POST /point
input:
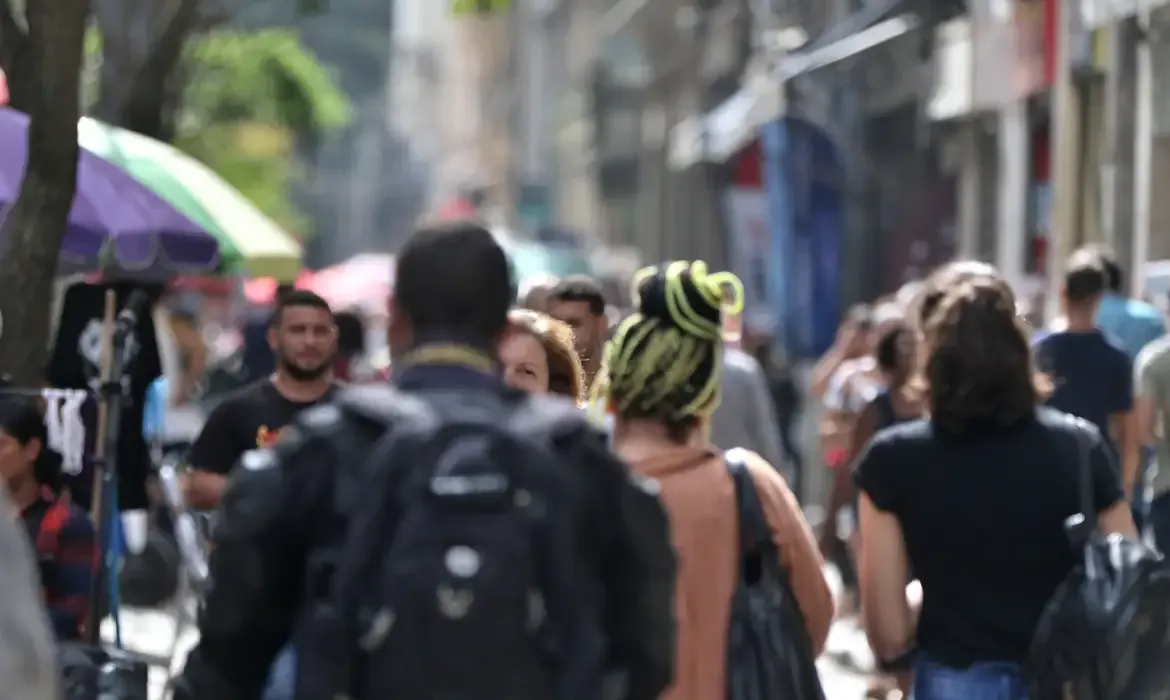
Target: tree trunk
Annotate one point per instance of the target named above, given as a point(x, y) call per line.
point(36, 226)
point(16, 59)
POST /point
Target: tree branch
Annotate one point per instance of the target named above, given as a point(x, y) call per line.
point(143, 110)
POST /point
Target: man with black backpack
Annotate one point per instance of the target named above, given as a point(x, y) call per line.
point(442, 538)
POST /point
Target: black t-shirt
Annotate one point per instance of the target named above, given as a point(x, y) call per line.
point(248, 419)
point(76, 363)
point(983, 518)
point(1092, 378)
point(887, 414)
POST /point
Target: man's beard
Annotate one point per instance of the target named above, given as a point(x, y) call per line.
point(304, 374)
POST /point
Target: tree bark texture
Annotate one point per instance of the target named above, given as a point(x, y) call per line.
point(35, 227)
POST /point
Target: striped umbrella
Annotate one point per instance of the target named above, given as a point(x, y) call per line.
point(250, 242)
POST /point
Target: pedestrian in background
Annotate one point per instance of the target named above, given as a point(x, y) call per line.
point(974, 499)
point(579, 302)
point(534, 291)
point(664, 378)
point(745, 416)
point(28, 661)
point(1092, 375)
point(1152, 425)
point(1131, 322)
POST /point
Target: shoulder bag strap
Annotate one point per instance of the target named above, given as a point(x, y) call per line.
point(753, 525)
point(1085, 527)
point(758, 541)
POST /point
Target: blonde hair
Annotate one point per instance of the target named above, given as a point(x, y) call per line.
point(566, 376)
point(665, 360)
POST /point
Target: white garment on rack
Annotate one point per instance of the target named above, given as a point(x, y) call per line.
point(54, 427)
point(73, 432)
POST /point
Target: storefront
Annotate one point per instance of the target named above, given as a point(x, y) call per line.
point(1154, 241)
point(804, 175)
point(1018, 41)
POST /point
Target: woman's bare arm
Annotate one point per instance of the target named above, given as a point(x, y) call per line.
point(882, 568)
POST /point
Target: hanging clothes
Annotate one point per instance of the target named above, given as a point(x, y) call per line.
point(76, 363)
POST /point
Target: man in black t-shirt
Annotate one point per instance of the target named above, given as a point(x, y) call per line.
point(303, 337)
point(1092, 376)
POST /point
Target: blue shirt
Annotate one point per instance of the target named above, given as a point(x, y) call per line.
point(1130, 322)
point(1092, 377)
point(154, 411)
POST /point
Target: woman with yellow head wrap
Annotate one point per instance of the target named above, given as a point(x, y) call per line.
point(660, 382)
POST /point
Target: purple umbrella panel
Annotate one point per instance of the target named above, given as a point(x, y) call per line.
point(115, 222)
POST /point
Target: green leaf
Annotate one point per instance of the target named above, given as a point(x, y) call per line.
point(249, 96)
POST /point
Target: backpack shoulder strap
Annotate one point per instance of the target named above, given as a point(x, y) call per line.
point(382, 403)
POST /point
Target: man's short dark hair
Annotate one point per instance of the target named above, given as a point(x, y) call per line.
point(455, 277)
point(580, 288)
point(1084, 277)
point(298, 298)
point(1114, 278)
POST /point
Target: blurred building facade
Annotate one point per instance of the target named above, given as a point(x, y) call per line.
point(885, 138)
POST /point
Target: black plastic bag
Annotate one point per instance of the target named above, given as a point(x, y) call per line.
point(124, 678)
point(79, 673)
point(92, 673)
point(151, 578)
point(769, 653)
point(1105, 634)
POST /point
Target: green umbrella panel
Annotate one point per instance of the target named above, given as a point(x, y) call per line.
point(250, 242)
point(165, 185)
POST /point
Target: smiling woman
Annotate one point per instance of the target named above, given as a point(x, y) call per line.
point(539, 358)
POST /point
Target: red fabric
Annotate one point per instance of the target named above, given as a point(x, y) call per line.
point(749, 166)
point(3, 89)
point(457, 209)
point(1041, 153)
point(65, 540)
point(1051, 19)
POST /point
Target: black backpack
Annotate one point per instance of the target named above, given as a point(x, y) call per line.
point(458, 574)
point(1105, 635)
point(769, 653)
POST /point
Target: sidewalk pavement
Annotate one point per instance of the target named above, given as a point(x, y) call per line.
point(152, 632)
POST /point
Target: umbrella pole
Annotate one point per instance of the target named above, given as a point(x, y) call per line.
point(103, 582)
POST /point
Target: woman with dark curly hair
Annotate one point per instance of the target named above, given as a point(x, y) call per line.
point(539, 357)
point(974, 498)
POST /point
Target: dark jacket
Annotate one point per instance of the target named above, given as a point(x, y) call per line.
point(278, 513)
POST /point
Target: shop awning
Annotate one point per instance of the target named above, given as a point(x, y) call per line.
point(733, 124)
